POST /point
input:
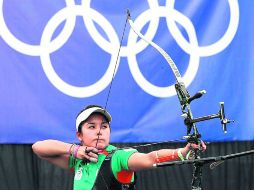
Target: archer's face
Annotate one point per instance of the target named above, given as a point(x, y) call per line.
point(95, 131)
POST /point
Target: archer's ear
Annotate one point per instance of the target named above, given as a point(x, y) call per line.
point(79, 136)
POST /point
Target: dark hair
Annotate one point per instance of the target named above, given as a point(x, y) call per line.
point(87, 107)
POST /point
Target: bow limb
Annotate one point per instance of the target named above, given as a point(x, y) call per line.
point(159, 49)
point(181, 90)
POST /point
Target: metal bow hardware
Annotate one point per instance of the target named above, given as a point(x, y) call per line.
point(185, 100)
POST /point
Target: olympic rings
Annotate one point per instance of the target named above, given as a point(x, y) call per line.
point(215, 47)
point(35, 50)
point(45, 58)
point(91, 16)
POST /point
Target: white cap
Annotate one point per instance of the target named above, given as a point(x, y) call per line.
point(87, 112)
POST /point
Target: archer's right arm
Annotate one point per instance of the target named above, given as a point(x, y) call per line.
point(56, 152)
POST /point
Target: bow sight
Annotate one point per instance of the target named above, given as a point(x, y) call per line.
point(189, 121)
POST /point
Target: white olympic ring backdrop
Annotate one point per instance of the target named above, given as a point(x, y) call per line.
point(60, 56)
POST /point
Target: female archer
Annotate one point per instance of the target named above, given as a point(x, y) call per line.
point(97, 164)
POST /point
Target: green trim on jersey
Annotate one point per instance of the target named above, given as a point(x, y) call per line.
point(86, 174)
point(120, 159)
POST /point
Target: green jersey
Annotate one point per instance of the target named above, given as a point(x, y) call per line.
point(86, 173)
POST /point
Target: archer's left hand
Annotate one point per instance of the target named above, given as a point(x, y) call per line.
point(189, 149)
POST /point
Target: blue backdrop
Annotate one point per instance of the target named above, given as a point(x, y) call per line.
point(59, 56)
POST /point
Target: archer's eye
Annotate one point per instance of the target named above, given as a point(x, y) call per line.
point(91, 127)
point(104, 126)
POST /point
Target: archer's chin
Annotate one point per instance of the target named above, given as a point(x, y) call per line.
point(101, 146)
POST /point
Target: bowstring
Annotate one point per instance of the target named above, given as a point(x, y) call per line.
point(113, 76)
point(114, 72)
